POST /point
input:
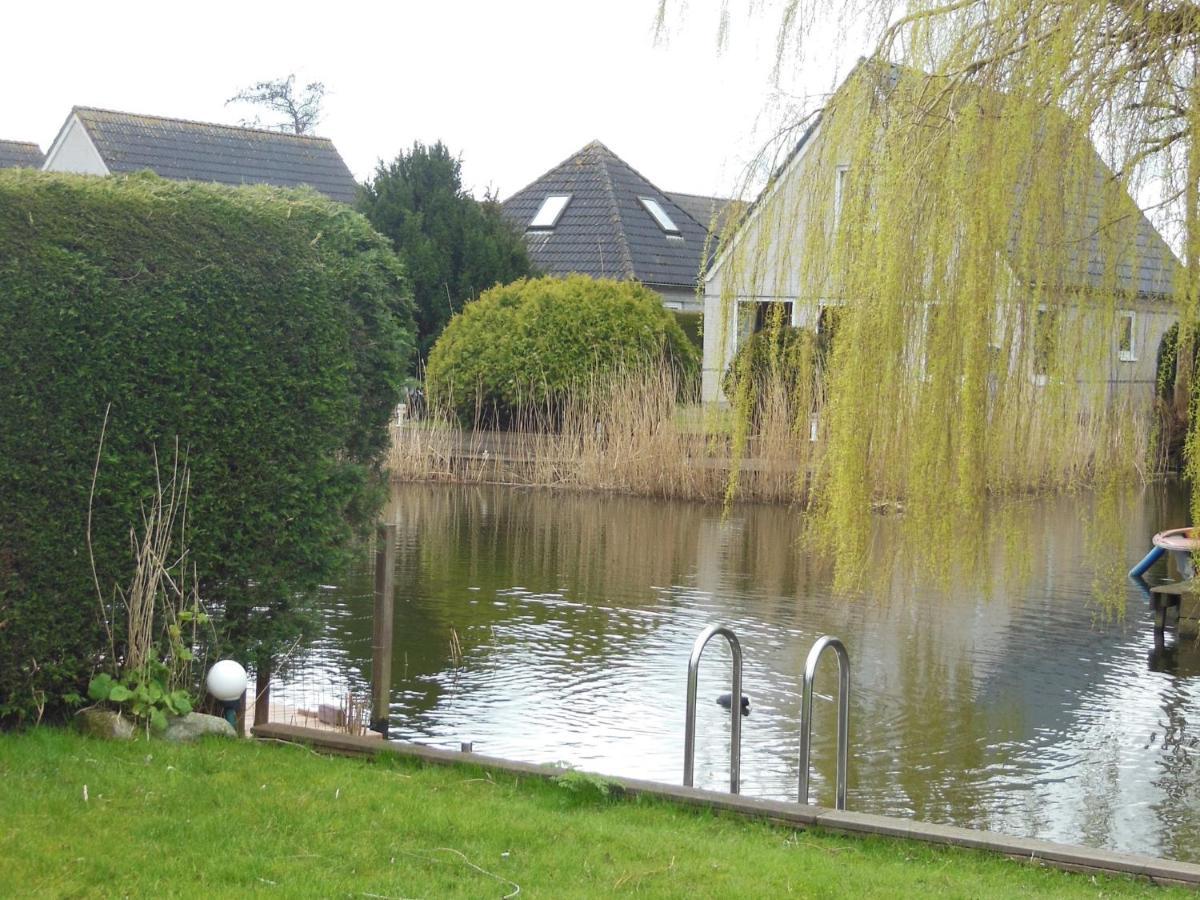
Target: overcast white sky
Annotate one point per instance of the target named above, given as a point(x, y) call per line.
point(514, 86)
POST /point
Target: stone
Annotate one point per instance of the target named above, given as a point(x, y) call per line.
point(103, 723)
point(182, 729)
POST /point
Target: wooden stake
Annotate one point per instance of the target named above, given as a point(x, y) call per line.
point(381, 643)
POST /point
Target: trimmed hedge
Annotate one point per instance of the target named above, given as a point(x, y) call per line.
point(267, 330)
point(528, 345)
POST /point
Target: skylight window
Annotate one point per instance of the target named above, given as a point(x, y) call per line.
point(549, 212)
point(659, 214)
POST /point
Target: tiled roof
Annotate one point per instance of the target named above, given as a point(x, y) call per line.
point(605, 231)
point(20, 153)
point(711, 212)
point(200, 151)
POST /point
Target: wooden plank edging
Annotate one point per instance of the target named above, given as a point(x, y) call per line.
point(1061, 856)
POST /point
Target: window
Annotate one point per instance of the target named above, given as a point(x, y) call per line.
point(1045, 342)
point(549, 212)
point(1126, 332)
point(653, 207)
point(839, 191)
point(829, 318)
point(754, 316)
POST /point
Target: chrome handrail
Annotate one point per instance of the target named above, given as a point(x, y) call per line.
point(735, 707)
point(843, 716)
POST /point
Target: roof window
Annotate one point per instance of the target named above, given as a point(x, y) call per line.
point(549, 212)
point(660, 215)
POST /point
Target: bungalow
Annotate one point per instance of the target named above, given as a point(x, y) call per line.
point(761, 270)
point(594, 214)
point(102, 142)
point(14, 154)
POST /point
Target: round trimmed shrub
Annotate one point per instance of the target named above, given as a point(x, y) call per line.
point(530, 346)
point(266, 331)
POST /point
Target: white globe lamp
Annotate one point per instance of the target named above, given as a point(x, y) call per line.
point(227, 682)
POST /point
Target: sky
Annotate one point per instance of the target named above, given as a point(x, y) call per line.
point(512, 86)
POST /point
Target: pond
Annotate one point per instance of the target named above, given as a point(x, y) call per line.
point(556, 627)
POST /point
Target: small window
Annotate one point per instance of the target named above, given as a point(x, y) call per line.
point(839, 191)
point(1126, 346)
point(829, 319)
point(660, 215)
point(549, 212)
point(1045, 343)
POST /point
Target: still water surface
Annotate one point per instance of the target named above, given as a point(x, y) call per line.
point(551, 627)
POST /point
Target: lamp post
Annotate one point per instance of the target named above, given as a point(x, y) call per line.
point(227, 682)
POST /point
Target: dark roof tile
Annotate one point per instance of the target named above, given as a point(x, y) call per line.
point(201, 151)
point(20, 153)
point(605, 231)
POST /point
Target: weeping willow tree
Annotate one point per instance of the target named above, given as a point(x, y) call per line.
point(958, 222)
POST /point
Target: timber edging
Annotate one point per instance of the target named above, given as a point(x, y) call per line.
point(1060, 856)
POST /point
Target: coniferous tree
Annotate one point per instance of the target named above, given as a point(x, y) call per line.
point(454, 246)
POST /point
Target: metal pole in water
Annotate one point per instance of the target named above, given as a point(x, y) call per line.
point(735, 707)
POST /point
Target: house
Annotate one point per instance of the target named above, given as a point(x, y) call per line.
point(765, 267)
point(102, 142)
point(20, 154)
point(596, 215)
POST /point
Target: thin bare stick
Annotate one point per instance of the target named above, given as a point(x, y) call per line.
point(112, 647)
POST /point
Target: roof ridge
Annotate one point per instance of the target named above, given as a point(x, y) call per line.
point(698, 196)
point(653, 185)
point(285, 134)
point(622, 239)
point(33, 144)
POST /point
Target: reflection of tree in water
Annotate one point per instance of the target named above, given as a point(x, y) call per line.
point(1179, 750)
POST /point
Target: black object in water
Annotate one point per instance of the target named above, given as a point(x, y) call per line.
point(724, 700)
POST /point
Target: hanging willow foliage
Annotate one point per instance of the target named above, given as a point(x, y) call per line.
point(961, 211)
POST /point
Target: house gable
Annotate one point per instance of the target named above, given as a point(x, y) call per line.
point(74, 151)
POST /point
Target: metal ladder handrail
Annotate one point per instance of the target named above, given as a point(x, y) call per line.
point(824, 643)
point(735, 707)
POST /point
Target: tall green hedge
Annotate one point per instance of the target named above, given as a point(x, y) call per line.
point(527, 345)
point(267, 330)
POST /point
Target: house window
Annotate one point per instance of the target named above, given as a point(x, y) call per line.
point(1126, 333)
point(549, 212)
point(1045, 342)
point(839, 192)
point(659, 214)
point(755, 316)
point(829, 319)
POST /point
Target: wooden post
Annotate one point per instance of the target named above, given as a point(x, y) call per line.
point(262, 693)
point(241, 715)
point(381, 641)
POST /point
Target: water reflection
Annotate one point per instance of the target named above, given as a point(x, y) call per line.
point(999, 696)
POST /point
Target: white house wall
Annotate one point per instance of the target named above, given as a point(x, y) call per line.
point(75, 152)
point(759, 266)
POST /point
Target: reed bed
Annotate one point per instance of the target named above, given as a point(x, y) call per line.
point(634, 432)
point(638, 433)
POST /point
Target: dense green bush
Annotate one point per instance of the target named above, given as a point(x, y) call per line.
point(266, 330)
point(528, 345)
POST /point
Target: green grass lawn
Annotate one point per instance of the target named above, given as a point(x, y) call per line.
point(82, 818)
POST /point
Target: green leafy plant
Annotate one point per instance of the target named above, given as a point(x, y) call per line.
point(145, 694)
point(586, 784)
point(151, 665)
